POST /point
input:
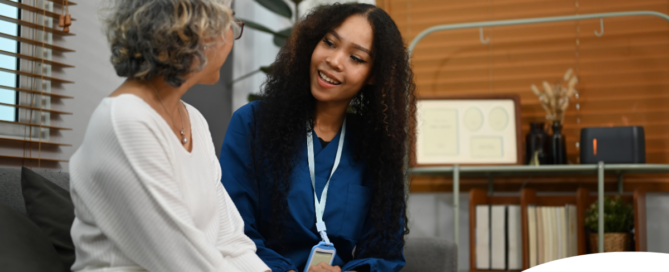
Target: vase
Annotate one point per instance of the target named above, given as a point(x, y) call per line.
point(558, 145)
point(537, 144)
point(613, 242)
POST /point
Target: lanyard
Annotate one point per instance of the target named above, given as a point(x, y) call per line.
point(319, 206)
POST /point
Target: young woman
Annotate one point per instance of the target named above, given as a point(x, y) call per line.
point(145, 182)
point(329, 135)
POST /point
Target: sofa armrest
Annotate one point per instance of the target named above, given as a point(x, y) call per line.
point(430, 254)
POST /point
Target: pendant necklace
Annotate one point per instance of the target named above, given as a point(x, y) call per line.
point(183, 134)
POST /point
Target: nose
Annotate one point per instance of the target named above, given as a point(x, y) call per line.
point(336, 60)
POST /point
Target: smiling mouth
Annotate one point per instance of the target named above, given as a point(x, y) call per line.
point(327, 79)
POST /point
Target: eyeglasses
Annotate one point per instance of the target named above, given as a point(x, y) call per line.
point(237, 31)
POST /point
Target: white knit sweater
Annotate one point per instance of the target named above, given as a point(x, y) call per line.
point(144, 203)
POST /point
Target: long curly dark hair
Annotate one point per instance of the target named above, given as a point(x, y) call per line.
point(379, 117)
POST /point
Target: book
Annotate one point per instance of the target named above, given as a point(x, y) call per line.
point(563, 231)
point(483, 237)
point(541, 236)
point(498, 237)
point(514, 238)
point(559, 245)
point(572, 231)
point(549, 225)
point(532, 234)
point(560, 234)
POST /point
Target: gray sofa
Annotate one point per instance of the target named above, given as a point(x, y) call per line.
point(422, 254)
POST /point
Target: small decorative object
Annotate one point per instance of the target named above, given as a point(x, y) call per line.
point(618, 223)
point(555, 98)
point(537, 145)
point(558, 145)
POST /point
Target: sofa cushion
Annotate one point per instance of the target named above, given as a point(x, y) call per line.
point(49, 206)
point(430, 254)
point(24, 247)
point(10, 189)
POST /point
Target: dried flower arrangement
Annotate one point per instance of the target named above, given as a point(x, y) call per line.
point(555, 98)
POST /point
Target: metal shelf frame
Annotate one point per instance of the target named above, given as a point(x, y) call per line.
point(538, 20)
point(598, 169)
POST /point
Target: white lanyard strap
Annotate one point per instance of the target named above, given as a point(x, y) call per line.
point(319, 206)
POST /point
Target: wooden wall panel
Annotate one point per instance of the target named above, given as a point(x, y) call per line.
point(624, 75)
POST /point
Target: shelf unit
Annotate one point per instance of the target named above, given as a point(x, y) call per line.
point(582, 199)
point(599, 170)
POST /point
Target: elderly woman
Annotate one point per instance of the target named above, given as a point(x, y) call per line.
point(146, 181)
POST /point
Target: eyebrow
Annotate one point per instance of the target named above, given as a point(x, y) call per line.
point(355, 45)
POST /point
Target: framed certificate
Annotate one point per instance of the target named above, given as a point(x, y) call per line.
point(469, 130)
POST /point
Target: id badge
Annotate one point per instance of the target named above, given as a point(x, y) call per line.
point(321, 253)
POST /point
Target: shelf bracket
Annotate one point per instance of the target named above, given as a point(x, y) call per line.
point(600, 205)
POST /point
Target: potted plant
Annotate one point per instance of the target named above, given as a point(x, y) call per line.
point(618, 224)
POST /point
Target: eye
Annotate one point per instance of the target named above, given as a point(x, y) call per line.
point(358, 60)
point(328, 42)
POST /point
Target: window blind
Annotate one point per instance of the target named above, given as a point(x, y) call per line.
point(32, 138)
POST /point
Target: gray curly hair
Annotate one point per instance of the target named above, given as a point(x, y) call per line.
point(164, 38)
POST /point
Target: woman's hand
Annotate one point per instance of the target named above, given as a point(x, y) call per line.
point(323, 267)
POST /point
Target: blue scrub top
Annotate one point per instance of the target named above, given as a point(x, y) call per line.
point(345, 214)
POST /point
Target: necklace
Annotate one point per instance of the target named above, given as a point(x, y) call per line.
point(183, 134)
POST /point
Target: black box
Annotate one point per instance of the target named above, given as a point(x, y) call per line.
point(613, 145)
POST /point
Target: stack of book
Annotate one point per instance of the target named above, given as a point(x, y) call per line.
point(552, 233)
point(499, 243)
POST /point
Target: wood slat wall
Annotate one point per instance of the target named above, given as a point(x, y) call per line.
point(623, 75)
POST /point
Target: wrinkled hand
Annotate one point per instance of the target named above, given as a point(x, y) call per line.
point(323, 267)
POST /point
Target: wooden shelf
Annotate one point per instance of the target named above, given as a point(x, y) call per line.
point(35, 92)
point(36, 59)
point(34, 108)
point(32, 141)
point(582, 200)
point(31, 158)
point(32, 9)
point(34, 125)
point(35, 26)
point(62, 2)
point(34, 42)
point(22, 73)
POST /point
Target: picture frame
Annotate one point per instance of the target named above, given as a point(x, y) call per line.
point(467, 130)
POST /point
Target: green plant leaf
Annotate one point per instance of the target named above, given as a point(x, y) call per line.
point(279, 41)
point(267, 69)
point(285, 32)
point(281, 37)
point(258, 27)
point(253, 97)
point(618, 216)
point(277, 6)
